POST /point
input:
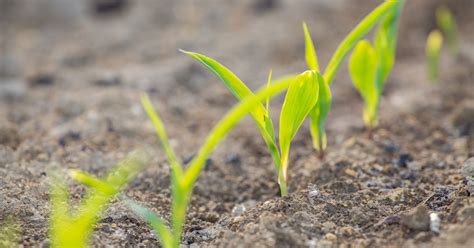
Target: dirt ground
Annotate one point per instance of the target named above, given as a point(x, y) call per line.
point(71, 73)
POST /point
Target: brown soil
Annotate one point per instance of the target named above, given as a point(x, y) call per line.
point(70, 81)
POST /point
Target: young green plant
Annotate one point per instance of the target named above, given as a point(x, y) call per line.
point(73, 227)
point(370, 66)
point(319, 113)
point(183, 180)
point(434, 44)
point(447, 24)
point(302, 95)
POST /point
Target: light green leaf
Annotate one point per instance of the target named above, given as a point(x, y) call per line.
point(433, 51)
point(301, 97)
point(176, 167)
point(310, 52)
point(319, 114)
point(363, 69)
point(70, 228)
point(448, 26)
point(358, 33)
point(232, 82)
point(386, 44)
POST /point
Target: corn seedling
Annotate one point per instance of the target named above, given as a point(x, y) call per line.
point(369, 66)
point(448, 26)
point(73, 227)
point(434, 44)
point(302, 95)
point(320, 111)
point(183, 180)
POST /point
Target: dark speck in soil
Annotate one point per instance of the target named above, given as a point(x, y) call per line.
point(404, 159)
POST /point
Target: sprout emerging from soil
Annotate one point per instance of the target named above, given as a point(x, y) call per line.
point(302, 95)
point(73, 227)
point(370, 66)
point(448, 26)
point(320, 111)
point(434, 44)
point(183, 180)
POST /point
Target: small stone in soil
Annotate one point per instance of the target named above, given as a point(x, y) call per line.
point(238, 209)
point(233, 159)
point(108, 6)
point(416, 219)
point(108, 79)
point(435, 223)
point(391, 220)
point(69, 136)
point(404, 159)
point(188, 159)
point(41, 79)
point(390, 147)
point(468, 173)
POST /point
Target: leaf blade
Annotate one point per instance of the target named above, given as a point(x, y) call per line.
point(310, 52)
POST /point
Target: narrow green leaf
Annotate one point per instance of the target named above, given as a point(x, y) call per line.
point(311, 58)
point(386, 43)
point(228, 122)
point(358, 33)
point(301, 97)
point(433, 51)
point(448, 26)
point(232, 82)
point(163, 232)
point(91, 182)
point(176, 167)
point(74, 228)
point(319, 114)
point(363, 69)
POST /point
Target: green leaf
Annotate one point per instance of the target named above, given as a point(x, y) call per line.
point(176, 167)
point(310, 52)
point(163, 232)
point(319, 114)
point(386, 43)
point(433, 51)
point(228, 122)
point(301, 97)
point(358, 33)
point(232, 82)
point(448, 26)
point(70, 228)
point(363, 69)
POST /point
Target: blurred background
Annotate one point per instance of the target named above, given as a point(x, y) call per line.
point(72, 71)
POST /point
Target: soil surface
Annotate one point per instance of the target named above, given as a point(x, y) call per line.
point(71, 74)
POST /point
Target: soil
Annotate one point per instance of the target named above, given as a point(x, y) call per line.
point(71, 73)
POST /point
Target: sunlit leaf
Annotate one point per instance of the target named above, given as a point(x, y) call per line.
point(310, 52)
point(433, 51)
point(300, 98)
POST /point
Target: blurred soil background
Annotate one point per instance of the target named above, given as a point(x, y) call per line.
point(71, 74)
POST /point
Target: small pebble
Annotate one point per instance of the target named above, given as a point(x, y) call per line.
point(330, 237)
point(468, 172)
point(233, 158)
point(417, 219)
point(238, 209)
point(391, 220)
point(404, 159)
point(435, 223)
point(41, 79)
